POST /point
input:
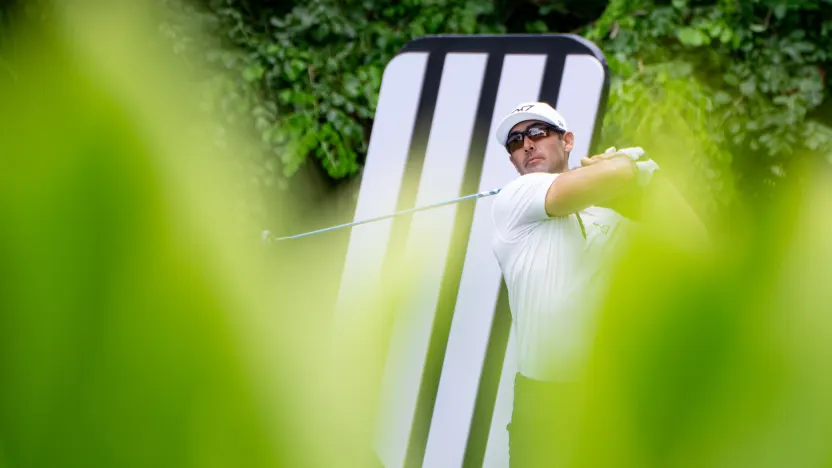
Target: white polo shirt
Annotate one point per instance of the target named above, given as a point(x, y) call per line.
point(552, 274)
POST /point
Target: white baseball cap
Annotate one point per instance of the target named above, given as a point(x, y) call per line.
point(529, 111)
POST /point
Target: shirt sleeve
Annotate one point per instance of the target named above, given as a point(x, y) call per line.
point(521, 204)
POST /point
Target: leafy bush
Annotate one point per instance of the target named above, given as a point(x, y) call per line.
point(749, 77)
point(309, 77)
point(750, 74)
point(757, 69)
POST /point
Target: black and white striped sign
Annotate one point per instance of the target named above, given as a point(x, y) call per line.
point(445, 397)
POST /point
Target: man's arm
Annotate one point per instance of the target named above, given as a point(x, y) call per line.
point(591, 185)
point(659, 201)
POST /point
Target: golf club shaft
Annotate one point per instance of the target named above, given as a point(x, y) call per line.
point(404, 212)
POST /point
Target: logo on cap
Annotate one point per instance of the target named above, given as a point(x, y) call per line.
point(523, 108)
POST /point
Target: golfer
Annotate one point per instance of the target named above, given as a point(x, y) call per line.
point(550, 236)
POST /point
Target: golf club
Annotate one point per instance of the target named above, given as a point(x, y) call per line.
point(267, 237)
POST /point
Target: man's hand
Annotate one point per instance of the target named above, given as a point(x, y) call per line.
point(628, 204)
point(611, 153)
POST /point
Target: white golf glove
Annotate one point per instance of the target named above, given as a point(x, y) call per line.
point(645, 169)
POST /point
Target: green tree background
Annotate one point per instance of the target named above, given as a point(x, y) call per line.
point(751, 75)
point(303, 77)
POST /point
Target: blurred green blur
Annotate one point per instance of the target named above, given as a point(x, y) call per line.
point(139, 324)
point(716, 355)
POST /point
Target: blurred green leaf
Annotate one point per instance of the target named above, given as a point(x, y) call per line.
point(692, 37)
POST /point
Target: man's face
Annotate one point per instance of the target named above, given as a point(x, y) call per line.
point(549, 153)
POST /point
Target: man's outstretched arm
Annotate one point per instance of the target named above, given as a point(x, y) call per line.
point(658, 200)
point(594, 184)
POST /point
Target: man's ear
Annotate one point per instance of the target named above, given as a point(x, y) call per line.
point(568, 141)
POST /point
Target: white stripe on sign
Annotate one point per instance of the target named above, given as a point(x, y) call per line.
point(520, 81)
point(426, 251)
point(578, 99)
point(358, 316)
point(380, 184)
point(496, 452)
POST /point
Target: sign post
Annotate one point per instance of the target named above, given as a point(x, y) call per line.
point(446, 393)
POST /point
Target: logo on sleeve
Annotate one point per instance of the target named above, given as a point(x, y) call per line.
point(602, 227)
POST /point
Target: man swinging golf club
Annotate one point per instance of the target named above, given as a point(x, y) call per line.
point(551, 233)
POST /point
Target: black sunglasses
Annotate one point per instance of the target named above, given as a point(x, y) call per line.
point(535, 132)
